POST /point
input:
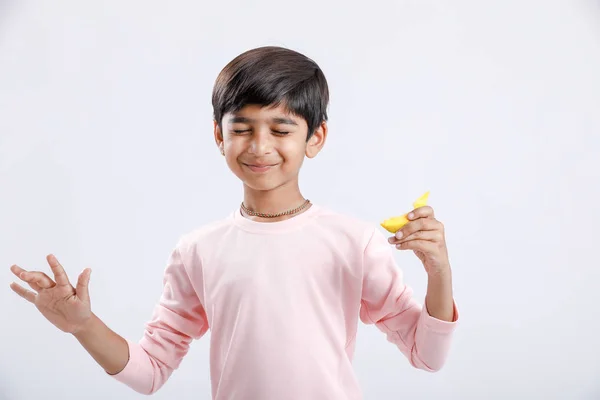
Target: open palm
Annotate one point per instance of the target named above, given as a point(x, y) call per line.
point(65, 306)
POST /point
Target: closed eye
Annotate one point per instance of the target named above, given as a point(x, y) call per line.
point(241, 131)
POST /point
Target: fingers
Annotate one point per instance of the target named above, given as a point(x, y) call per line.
point(421, 212)
point(15, 269)
point(426, 246)
point(37, 280)
point(83, 285)
point(59, 273)
point(24, 293)
point(418, 227)
point(35, 286)
point(434, 236)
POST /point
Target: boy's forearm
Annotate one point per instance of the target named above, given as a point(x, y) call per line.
point(109, 349)
point(439, 299)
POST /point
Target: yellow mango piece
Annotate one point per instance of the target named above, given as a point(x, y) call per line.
point(421, 201)
point(393, 224)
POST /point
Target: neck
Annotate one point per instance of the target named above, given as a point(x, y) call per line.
point(283, 198)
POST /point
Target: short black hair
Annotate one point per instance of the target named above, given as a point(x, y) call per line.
point(272, 76)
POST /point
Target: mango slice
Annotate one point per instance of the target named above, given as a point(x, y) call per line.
point(421, 201)
point(393, 224)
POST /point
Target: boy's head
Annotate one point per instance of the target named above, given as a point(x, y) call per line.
point(270, 111)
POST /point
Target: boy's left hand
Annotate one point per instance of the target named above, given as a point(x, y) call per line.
point(425, 236)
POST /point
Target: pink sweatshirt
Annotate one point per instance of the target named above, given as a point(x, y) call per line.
point(283, 300)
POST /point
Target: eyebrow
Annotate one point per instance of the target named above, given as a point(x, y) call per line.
point(278, 120)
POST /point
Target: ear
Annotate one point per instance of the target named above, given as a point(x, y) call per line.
point(317, 141)
point(218, 137)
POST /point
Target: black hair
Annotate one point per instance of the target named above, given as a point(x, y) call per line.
point(272, 76)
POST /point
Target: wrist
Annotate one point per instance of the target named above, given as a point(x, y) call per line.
point(86, 327)
point(440, 272)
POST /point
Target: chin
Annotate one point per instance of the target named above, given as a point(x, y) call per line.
point(262, 186)
point(264, 183)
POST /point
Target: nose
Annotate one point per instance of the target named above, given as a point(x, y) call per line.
point(260, 143)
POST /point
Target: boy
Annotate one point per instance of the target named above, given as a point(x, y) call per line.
point(281, 282)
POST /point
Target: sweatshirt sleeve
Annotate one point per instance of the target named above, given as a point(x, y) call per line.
point(177, 319)
point(388, 303)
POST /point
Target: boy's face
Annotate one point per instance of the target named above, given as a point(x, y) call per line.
point(265, 146)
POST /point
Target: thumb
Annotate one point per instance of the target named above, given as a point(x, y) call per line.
point(82, 288)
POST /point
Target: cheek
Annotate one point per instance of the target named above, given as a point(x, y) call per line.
point(233, 148)
point(293, 153)
point(232, 152)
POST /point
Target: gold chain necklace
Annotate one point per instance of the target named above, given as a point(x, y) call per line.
point(265, 215)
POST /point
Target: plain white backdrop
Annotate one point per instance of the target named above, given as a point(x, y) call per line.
point(107, 157)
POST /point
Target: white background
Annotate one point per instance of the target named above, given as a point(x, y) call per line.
point(107, 157)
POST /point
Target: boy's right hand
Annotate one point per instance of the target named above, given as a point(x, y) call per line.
point(67, 307)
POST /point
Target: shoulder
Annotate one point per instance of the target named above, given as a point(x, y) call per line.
point(346, 224)
point(205, 233)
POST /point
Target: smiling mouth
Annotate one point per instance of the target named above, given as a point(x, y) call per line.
point(259, 168)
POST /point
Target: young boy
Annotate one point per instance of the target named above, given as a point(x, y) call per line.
point(281, 282)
